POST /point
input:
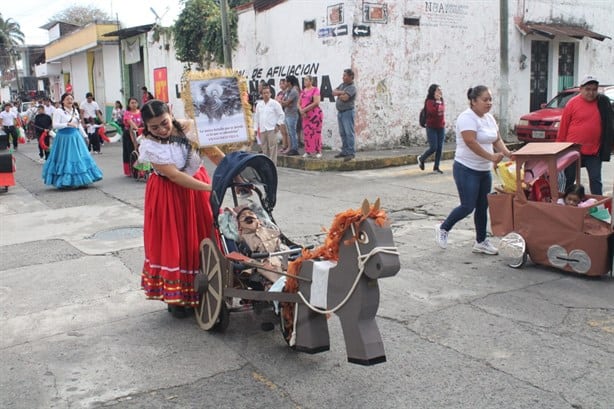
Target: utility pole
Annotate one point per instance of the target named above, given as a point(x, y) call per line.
point(225, 34)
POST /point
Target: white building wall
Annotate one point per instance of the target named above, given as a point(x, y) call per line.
point(456, 44)
point(111, 76)
point(76, 65)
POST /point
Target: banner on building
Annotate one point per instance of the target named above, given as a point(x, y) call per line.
point(132, 51)
point(217, 101)
point(161, 83)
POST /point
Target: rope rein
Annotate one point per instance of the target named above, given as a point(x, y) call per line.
point(362, 260)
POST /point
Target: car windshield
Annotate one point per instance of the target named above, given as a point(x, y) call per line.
point(561, 100)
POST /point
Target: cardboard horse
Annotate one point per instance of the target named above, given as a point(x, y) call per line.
point(341, 277)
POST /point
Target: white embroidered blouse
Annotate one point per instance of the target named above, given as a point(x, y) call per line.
point(171, 153)
point(62, 118)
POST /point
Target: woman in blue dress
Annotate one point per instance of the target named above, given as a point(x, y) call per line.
point(70, 164)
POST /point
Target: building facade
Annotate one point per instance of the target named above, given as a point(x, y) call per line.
point(524, 50)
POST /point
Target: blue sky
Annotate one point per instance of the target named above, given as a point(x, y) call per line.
point(31, 14)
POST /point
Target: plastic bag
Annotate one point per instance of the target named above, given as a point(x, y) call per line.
point(506, 171)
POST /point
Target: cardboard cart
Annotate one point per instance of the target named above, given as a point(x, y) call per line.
point(565, 237)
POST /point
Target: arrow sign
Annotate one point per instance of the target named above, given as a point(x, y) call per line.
point(340, 30)
point(361, 31)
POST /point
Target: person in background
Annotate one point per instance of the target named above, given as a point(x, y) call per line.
point(312, 117)
point(49, 107)
point(268, 118)
point(281, 95)
point(435, 126)
point(42, 122)
point(588, 120)
point(90, 115)
point(477, 137)
point(290, 105)
point(146, 96)
point(131, 123)
point(178, 213)
point(346, 96)
point(9, 124)
point(118, 113)
point(69, 164)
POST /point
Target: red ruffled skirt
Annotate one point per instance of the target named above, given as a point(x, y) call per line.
point(177, 219)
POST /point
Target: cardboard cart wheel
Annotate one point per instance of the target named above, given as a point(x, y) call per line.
point(211, 312)
point(513, 248)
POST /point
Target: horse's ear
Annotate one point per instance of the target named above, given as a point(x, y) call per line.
point(365, 207)
point(376, 204)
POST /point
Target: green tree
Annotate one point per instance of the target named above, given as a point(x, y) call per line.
point(10, 38)
point(197, 33)
point(81, 15)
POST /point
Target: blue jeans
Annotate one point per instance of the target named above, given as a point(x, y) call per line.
point(291, 122)
point(435, 137)
point(473, 187)
point(593, 167)
point(345, 121)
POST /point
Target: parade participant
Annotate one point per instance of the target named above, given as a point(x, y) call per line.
point(42, 124)
point(178, 214)
point(588, 121)
point(268, 118)
point(435, 127)
point(312, 117)
point(9, 122)
point(69, 164)
point(346, 95)
point(90, 112)
point(477, 134)
point(132, 121)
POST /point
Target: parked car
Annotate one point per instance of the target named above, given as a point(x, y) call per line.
point(542, 125)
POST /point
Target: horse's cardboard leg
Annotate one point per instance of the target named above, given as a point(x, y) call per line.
point(311, 327)
point(311, 331)
point(363, 341)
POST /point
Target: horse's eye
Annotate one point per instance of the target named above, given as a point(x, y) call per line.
point(363, 238)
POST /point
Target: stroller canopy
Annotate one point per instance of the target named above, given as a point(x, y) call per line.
point(253, 168)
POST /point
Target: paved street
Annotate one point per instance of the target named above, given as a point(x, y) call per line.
point(460, 330)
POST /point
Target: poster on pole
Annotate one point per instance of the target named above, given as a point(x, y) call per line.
point(217, 101)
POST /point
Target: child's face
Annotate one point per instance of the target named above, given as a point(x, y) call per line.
point(572, 199)
point(248, 221)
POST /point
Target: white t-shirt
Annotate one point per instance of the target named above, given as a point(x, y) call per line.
point(8, 118)
point(89, 109)
point(487, 134)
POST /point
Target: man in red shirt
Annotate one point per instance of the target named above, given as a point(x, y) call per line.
point(587, 120)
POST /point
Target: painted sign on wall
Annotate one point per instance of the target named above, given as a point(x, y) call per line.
point(161, 83)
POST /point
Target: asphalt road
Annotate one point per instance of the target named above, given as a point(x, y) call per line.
point(460, 330)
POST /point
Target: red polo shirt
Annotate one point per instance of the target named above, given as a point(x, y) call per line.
point(581, 123)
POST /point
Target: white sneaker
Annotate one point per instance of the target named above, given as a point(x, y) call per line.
point(40, 160)
point(305, 155)
point(441, 236)
point(318, 155)
point(485, 247)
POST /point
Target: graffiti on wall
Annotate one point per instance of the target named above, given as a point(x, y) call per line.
point(443, 14)
point(272, 74)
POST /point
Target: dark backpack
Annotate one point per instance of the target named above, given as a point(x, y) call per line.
point(422, 118)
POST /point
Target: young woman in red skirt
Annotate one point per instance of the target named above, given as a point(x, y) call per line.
point(178, 215)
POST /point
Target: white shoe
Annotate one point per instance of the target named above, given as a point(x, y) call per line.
point(485, 247)
point(441, 236)
point(40, 160)
point(318, 155)
point(305, 155)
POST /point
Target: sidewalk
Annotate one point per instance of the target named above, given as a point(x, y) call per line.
point(372, 159)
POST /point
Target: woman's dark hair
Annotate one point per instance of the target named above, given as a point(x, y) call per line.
point(155, 108)
point(120, 104)
point(577, 190)
point(293, 81)
point(130, 99)
point(431, 92)
point(63, 97)
point(475, 92)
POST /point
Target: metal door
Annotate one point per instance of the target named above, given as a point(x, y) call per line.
point(539, 74)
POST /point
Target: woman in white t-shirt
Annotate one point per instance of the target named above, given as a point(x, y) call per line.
point(478, 148)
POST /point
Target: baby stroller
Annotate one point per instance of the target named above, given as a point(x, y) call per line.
point(139, 170)
point(315, 284)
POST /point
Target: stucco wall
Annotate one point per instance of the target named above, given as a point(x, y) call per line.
point(456, 44)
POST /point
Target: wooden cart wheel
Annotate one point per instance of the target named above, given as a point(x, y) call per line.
point(208, 283)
